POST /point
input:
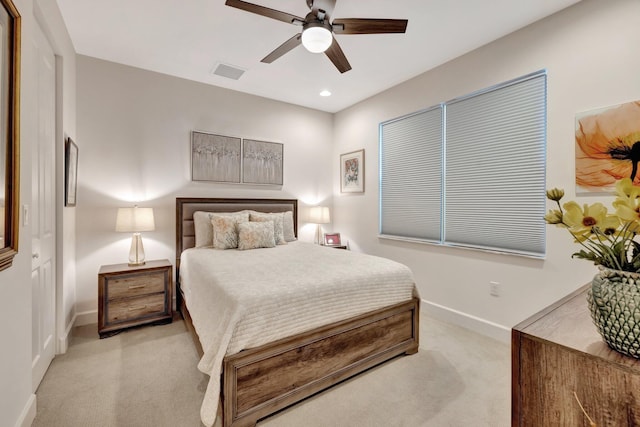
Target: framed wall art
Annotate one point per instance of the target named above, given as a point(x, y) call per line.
point(215, 157)
point(352, 172)
point(10, 33)
point(607, 147)
point(71, 172)
point(262, 162)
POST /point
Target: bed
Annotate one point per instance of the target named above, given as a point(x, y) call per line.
point(251, 379)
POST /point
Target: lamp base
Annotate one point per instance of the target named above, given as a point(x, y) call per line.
point(136, 264)
point(136, 253)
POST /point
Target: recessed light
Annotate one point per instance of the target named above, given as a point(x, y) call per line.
point(325, 93)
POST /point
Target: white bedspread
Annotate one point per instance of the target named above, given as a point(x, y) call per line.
point(243, 299)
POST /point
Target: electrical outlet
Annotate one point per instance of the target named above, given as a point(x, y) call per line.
point(494, 289)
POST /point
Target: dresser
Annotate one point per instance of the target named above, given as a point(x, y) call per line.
point(134, 295)
point(557, 352)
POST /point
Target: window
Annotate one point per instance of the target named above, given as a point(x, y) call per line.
point(411, 176)
point(469, 172)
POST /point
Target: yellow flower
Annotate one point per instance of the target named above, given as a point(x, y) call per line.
point(627, 209)
point(605, 239)
point(627, 204)
point(626, 190)
point(582, 221)
point(555, 194)
point(553, 217)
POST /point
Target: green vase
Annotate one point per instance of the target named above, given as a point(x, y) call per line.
point(614, 302)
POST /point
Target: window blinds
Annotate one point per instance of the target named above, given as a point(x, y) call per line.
point(411, 175)
point(495, 168)
point(480, 181)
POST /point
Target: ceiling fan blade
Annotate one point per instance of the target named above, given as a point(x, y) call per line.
point(264, 11)
point(285, 47)
point(369, 26)
point(336, 55)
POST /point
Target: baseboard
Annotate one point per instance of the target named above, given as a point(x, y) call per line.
point(64, 340)
point(467, 321)
point(86, 318)
point(28, 414)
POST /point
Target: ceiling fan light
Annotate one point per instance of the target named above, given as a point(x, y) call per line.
point(316, 39)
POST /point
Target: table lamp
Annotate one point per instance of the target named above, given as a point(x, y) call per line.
point(135, 220)
point(319, 215)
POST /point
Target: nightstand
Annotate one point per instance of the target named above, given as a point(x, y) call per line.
point(134, 295)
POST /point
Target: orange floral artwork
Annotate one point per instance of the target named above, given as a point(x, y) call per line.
point(607, 147)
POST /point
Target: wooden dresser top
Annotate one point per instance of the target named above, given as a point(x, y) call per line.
point(568, 323)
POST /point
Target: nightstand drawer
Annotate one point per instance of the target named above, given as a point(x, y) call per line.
point(136, 308)
point(135, 284)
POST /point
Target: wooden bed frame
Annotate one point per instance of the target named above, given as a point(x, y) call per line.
point(261, 381)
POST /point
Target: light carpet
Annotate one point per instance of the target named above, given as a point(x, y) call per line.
point(147, 376)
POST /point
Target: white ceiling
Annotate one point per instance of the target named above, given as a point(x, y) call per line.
point(188, 38)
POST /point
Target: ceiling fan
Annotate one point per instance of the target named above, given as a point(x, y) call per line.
point(318, 29)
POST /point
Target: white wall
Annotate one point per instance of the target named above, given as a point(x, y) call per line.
point(17, 402)
point(590, 52)
point(134, 146)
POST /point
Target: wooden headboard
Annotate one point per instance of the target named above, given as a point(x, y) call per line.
point(186, 206)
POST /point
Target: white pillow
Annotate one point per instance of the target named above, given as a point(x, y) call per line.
point(276, 218)
point(204, 229)
point(287, 227)
point(254, 235)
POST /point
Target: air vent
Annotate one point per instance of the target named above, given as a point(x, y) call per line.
point(228, 71)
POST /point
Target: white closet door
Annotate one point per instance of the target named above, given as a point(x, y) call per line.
point(43, 212)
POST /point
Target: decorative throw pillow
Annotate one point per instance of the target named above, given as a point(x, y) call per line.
point(204, 229)
point(287, 227)
point(253, 235)
point(276, 218)
point(225, 233)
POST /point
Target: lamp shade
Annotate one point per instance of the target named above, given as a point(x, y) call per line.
point(316, 39)
point(319, 215)
point(135, 219)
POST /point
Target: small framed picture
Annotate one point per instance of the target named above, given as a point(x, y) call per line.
point(352, 172)
point(332, 239)
point(71, 172)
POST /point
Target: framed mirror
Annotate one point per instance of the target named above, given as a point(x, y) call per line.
point(9, 131)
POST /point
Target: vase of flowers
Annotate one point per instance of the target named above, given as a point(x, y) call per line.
point(608, 240)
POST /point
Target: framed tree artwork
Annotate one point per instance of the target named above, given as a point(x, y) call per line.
point(215, 157)
point(262, 162)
